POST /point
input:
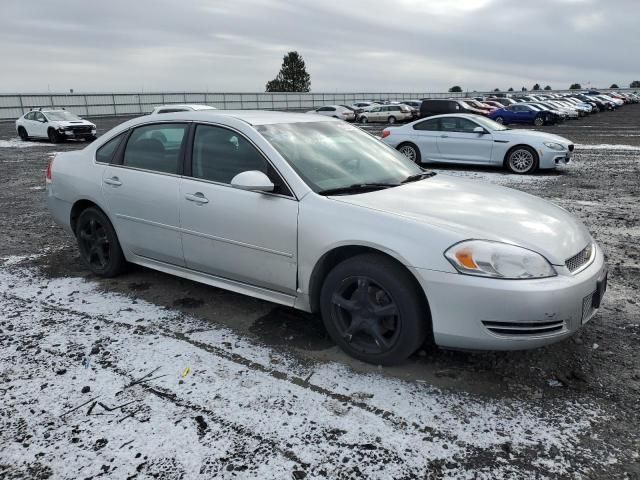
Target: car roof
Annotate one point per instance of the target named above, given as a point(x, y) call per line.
point(252, 117)
point(470, 116)
point(193, 106)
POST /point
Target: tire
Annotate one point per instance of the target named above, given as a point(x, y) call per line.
point(538, 121)
point(410, 151)
point(22, 133)
point(522, 160)
point(53, 136)
point(392, 120)
point(352, 293)
point(499, 119)
point(90, 138)
point(364, 119)
point(98, 243)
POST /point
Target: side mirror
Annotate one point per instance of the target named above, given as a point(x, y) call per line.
point(252, 180)
point(479, 130)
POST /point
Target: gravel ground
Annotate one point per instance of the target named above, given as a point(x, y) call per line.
point(178, 380)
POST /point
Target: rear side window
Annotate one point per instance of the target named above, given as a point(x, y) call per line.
point(429, 125)
point(105, 153)
point(156, 147)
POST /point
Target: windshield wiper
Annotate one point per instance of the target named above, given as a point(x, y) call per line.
point(358, 188)
point(418, 176)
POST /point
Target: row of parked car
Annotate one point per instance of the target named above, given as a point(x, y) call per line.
point(534, 109)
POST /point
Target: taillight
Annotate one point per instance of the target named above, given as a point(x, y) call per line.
point(48, 176)
point(386, 133)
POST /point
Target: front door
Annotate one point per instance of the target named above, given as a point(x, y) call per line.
point(142, 191)
point(246, 236)
point(458, 142)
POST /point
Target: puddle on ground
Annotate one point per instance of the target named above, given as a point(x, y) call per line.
point(286, 326)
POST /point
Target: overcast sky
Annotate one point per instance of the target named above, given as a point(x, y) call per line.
point(348, 45)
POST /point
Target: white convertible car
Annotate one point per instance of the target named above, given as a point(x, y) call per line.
point(313, 213)
point(473, 139)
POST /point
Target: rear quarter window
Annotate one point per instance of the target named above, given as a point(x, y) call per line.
point(105, 153)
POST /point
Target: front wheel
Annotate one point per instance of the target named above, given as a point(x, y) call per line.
point(53, 136)
point(98, 243)
point(373, 310)
point(500, 120)
point(410, 151)
point(538, 121)
point(364, 119)
point(522, 160)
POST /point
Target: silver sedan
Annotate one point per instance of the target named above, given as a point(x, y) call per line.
point(314, 213)
point(473, 139)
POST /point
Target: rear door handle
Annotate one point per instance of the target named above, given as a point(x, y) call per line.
point(197, 197)
point(113, 181)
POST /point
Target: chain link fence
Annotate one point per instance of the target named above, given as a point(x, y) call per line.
point(115, 104)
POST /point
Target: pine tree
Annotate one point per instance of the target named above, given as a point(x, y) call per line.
point(548, 87)
point(635, 84)
point(536, 86)
point(293, 76)
point(613, 85)
point(510, 89)
point(575, 86)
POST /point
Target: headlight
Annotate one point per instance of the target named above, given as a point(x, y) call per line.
point(485, 258)
point(553, 146)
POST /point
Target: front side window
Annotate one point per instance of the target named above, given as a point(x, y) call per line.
point(156, 147)
point(105, 153)
point(39, 117)
point(220, 154)
point(30, 116)
point(329, 155)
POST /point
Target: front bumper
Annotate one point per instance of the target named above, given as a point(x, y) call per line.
point(85, 133)
point(475, 313)
point(552, 158)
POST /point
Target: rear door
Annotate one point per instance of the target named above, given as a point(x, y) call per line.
point(142, 188)
point(245, 236)
point(458, 142)
point(425, 135)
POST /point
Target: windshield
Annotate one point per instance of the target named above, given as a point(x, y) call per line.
point(62, 115)
point(489, 124)
point(333, 155)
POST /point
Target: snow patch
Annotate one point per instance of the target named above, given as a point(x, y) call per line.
point(17, 143)
point(608, 146)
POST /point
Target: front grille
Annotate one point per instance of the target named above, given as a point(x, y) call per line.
point(571, 147)
point(582, 259)
point(524, 329)
point(80, 129)
point(587, 307)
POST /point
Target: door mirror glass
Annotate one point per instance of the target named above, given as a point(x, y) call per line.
point(252, 180)
point(479, 130)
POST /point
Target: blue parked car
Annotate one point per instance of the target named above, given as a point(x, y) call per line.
point(518, 113)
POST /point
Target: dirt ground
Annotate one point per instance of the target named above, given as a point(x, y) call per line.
point(259, 391)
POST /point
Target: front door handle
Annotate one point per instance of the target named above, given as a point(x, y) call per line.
point(113, 181)
point(197, 197)
point(444, 136)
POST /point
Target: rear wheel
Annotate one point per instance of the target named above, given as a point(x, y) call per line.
point(98, 243)
point(538, 121)
point(391, 120)
point(372, 309)
point(499, 120)
point(364, 119)
point(522, 160)
point(22, 132)
point(410, 151)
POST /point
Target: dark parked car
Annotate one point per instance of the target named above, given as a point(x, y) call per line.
point(522, 114)
point(430, 107)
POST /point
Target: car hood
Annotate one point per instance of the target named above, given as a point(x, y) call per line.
point(532, 134)
point(477, 210)
point(71, 123)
